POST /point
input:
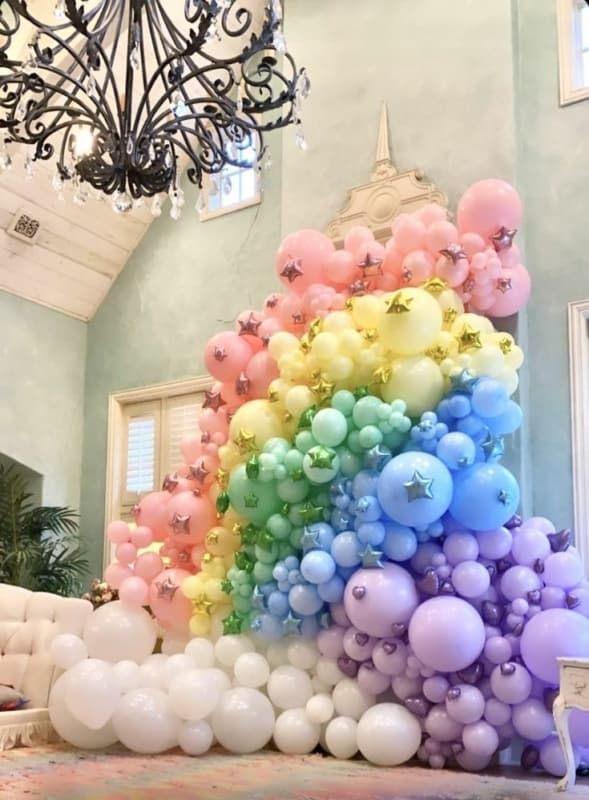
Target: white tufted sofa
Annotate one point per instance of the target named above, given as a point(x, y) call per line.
point(28, 623)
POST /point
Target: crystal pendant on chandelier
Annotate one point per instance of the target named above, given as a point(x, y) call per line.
point(120, 95)
point(156, 206)
point(5, 160)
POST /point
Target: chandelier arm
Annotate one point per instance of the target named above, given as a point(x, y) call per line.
point(21, 8)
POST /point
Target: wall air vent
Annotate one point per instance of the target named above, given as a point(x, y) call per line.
point(24, 226)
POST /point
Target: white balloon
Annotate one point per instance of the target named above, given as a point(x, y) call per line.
point(114, 633)
point(350, 700)
point(70, 728)
point(195, 737)
point(243, 720)
point(222, 679)
point(328, 671)
point(277, 653)
point(67, 650)
point(144, 721)
point(340, 737)
point(91, 693)
point(319, 708)
point(388, 735)
point(294, 733)
point(173, 643)
point(152, 672)
point(303, 653)
point(252, 670)
point(229, 648)
point(289, 687)
point(202, 652)
point(127, 675)
point(176, 665)
point(194, 694)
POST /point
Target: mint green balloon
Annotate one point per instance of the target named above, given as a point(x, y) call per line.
point(296, 537)
point(292, 491)
point(293, 460)
point(277, 446)
point(354, 443)
point(254, 500)
point(369, 436)
point(305, 441)
point(267, 556)
point(366, 411)
point(329, 427)
point(395, 440)
point(279, 526)
point(285, 550)
point(263, 572)
point(316, 472)
point(242, 604)
point(344, 401)
point(350, 463)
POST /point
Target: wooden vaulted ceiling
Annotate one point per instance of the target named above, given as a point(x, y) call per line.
point(79, 250)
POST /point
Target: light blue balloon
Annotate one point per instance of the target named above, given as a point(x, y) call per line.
point(456, 450)
point(486, 496)
point(271, 628)
point(399, 543)
point(345, 549)
point(508, 422)
point(364, 483)
point(317, 566)
point(415, 489)
point(372, 533)
point(332, 591)
point(489, 398)
point(471, 425)
point(278, 604)
point(304, 599)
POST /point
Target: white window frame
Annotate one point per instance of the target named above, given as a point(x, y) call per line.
point(578, 314)
point(572, 89)
point(206, 213)
point(115, 453)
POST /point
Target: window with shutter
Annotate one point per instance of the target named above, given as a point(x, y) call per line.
point(141, 454)
point(181, 419)
point(573, 50)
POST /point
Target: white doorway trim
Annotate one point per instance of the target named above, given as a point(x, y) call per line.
point(578, 313)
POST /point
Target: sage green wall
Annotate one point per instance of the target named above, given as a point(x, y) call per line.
point(552, 173)
point(186, 281)
point(42, 364)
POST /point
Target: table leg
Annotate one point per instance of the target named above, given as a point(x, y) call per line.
point(561, 717)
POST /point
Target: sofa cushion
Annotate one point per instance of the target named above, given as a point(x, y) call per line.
point(10, 699)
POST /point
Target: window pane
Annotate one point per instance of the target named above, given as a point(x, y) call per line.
point(182, 421)
point(586, 68)
point(230, 190)
point(248, 184)
point(140, 455)
point(585, 28)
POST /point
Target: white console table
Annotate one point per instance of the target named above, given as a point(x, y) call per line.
point(574, 693)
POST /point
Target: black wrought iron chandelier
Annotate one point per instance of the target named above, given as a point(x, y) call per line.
point(122, 94)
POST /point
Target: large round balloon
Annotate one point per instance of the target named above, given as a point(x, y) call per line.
point(253, 499)
point(388, 735)
point(302, 259)
point(485, 497)
point(114, 633)
point(446, 634)
point(487, 206)
point(70, 728)
point(410, 322)
point(145, 722)
point(415, 489)
point(378, 601)
point(550, 634)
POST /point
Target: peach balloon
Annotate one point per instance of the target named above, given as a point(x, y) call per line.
point(116, 573)
point(261, 371)
point(269, 327)
point(487, 206)
point(133, 592)
point(226, 355)
point(409, 233)
point(190, 447)
point(231, 397)
point(356, 236)
point(211, 421)
point(341, 268)
point(171, 608)
point(271, 303)
point(454, 273)
point(416, 268)
point(152, 512)
point(472, 243)
point(118, 532)
point(126, 553)
point(148, 565)
point(439, 235)
point(189, 518)
point(141, 536)
point(432, 213)
point(301, 259)
point(292, 314)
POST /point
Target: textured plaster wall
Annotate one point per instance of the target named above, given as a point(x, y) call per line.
point(42, 364)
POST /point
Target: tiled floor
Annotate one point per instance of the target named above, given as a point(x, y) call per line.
point(60, 773)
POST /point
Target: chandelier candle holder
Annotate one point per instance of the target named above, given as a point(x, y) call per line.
point(123, 94)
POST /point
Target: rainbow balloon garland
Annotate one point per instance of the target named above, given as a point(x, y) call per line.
point(344, 500)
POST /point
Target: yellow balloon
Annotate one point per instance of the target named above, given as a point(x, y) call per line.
point(451, 305)
point(220, 541)
point(281, 343)
point(324, 346)
point(410, 321)
point(509, 378)
point(474, 321)
point(298, 399)
point(418, 381)
point(350, 343)
point(199, 624)
point(515, 357)
point(191, 587)
point(214, 591)
point(489, 360)
point(253, 424)
point(338, 321)
point(277, 390)
point(340, 368)
point(229, 456)
point(366, 311)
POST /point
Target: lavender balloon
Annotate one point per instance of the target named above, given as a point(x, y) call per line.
point(495, 544)
point(376, 600)
point(470, 579)
point(441, 726)
point(563, 569)
point(447, 634)
point(465, 704)
point(528, 545)
point(511, 683)
point(390, 657)
point(553, 633)
point(532, 721)
point(518, 581)
point(480, 738)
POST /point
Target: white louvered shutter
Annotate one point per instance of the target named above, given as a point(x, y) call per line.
point(180, 419)
point(141, 462)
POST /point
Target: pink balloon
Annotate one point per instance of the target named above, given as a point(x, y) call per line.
point(439, 235)
point(472, 244)
point(454, 273)
point(371, 254)
point(118, 532)
point(432, 213)
point(341, 269)
point(170, 606)
point(513, 291)
point(126, 553)
point(116, 573)
point(487, 206)
point(190, 517)
point(269, 327)
point(301, 259)
point(148, 565)
point(152, 512)
point(357, 236)
point(203, 471)
point(409, 233)
point(393, 259)
point(292, 314)
point(416, 268)
point(211, 421)
point(133, 592)
point(141, 537)
point(190, 447)
point(247, 326)
point(271, 303)
point(261, 371)
point(226, 355)
point(510, 256)
point(231, 397)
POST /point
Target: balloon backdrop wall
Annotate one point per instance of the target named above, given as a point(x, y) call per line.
point(341, 559)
